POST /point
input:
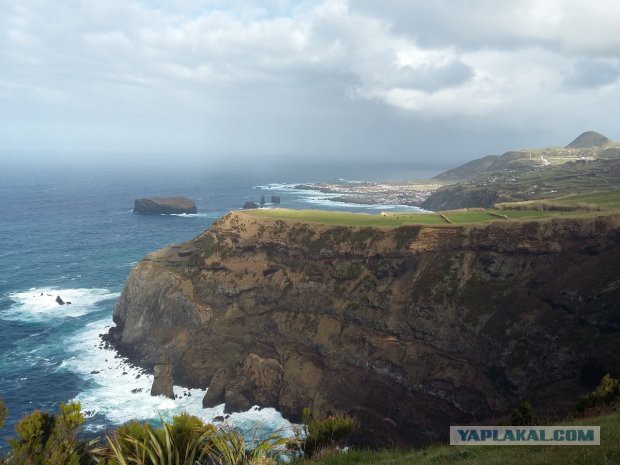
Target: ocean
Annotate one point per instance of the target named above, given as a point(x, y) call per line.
point(71, 233)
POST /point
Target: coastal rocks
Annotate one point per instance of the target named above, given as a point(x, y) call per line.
point(256, 381)
point(163, 379)
point(59, 300)
point(250, 205)
point(276, 199)
point(409, 329)
point(165, 206)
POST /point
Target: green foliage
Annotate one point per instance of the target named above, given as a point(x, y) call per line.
point(521, 415)
point(3, 413)
point(231, 448)
point(47, 439)
point(606, 393)
point(325, 433)
point(187, 441)
point(182, 442)
point(186, 428)
point(442, 454)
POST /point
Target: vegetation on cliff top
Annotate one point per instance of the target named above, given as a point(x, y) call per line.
point(392, 220)
point(606, 454)
point(573, 205)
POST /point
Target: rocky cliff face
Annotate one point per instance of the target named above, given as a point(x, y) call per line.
point(409, 329)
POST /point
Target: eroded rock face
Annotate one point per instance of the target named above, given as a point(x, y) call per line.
point(163, 381)
point(411, 329)
point(165, 206)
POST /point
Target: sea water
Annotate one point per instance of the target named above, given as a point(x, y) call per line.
point(71, 233)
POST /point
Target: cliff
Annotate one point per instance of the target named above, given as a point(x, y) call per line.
point(410, 329)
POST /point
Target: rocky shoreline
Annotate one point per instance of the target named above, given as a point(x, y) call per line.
point(409, 193)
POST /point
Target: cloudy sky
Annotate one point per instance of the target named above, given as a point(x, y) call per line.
point(400, 80)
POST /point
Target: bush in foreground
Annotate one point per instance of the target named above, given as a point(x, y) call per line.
point(324, 433)
point(607, 393)
point(50, 439)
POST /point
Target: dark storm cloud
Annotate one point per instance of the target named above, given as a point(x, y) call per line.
point(593, 73)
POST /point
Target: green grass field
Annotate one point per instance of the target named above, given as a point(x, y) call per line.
point(607, 453)
point(596, 201)
point(608, 200)
point(392, 220)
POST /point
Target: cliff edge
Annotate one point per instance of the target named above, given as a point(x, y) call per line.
point(409, 329)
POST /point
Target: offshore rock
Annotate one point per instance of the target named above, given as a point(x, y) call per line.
point(165, 206)
point(409, 329)
point(163, 379)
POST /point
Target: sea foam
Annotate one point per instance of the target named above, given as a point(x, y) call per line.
point(39, 304)
point(118, 391)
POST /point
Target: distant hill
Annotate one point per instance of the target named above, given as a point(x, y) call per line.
point(468, 170)
point(590, 163)
point(588, 139)
point(588, 145)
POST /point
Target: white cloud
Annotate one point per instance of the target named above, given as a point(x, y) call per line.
point(211, 70)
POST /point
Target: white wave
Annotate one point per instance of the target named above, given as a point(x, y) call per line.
point(121, 392)
point(275, 186)
point(192, 215)
point(375, 206)
point(286, 187)
point(39, 304)
point(128, 265)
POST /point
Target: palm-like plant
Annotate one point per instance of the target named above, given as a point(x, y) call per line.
point(141, 444)
point(229, 447)
point(188, 441)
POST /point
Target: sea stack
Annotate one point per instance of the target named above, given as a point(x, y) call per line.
point(163, 380)
point(249, 205)
point(164, 206)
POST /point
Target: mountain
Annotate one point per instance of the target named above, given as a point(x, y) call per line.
point(468, 170)
point(588, 139)
point(585, 165)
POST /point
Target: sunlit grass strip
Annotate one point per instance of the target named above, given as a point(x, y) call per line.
point(392, 220)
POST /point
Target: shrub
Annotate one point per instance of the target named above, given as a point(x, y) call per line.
point(325, 433)
point(521, 415)
point(231, 448)
point(182, 442)
point(47, 439)
point(187, 441)
point(606, 393)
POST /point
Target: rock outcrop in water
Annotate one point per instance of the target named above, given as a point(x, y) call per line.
point(410, 329)
point(165, 206)
point(163, 382)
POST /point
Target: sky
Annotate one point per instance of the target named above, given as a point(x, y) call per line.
point(393, 81)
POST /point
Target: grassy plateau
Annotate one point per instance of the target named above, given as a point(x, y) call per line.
point(575, 205)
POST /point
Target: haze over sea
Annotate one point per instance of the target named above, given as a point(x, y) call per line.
point(71, 233)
